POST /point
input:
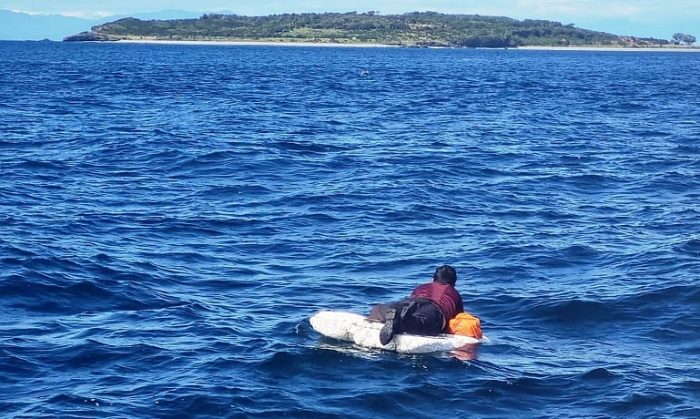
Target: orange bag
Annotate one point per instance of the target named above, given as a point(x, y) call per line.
point(466, 325)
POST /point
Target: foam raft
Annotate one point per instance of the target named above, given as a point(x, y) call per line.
point(352, 327)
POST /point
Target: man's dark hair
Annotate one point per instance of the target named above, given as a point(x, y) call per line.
point(445, 274)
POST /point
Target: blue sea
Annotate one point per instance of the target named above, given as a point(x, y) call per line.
point(171, 215)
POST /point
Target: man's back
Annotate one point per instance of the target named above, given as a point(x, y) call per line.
point(444, 295)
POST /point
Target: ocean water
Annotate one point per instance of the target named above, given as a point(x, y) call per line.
point(170, 217)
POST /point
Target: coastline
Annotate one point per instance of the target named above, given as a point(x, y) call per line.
point(609, 49)
point(256, 43)
point(373, 45)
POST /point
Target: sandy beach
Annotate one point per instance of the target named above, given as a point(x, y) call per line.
point(369, 45)
point(257, 43)
point(610, 49)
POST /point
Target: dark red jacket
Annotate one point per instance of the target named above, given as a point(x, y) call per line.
point(444, 295)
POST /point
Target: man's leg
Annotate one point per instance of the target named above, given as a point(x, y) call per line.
point(393, 319)
point(424, 319)
point(378, 313)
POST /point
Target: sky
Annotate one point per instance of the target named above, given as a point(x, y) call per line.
point(656, 18)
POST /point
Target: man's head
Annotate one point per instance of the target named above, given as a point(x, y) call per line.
point(445, 274)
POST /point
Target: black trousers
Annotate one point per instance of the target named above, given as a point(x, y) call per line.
point(417, 316)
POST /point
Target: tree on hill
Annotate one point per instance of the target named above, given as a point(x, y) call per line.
point(679, 38)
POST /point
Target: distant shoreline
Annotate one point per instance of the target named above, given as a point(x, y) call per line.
point(611, 49)
point(372, 45)
point(255, 43)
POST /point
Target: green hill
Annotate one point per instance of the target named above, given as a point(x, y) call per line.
point(410, 29)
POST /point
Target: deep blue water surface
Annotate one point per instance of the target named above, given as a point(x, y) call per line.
point(170, 216)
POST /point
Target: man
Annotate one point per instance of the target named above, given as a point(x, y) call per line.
point(428, 310)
